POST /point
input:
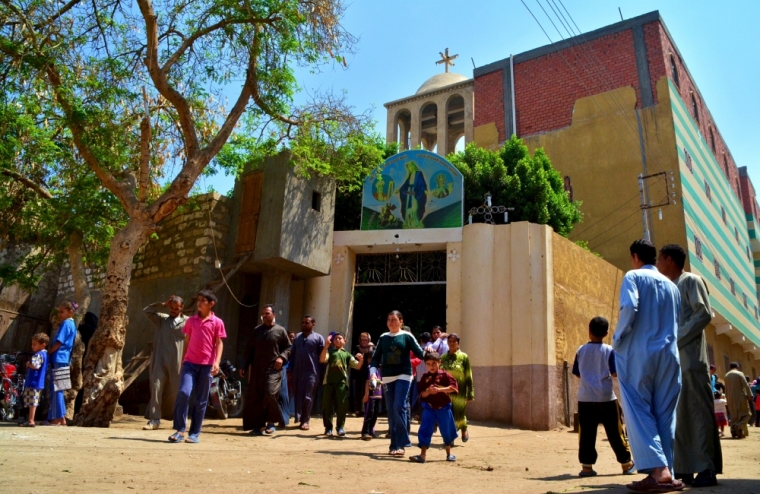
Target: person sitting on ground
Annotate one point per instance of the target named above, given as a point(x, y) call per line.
point(720, 411)
point(34, 382)
point(373, 401)
point(204, 335)
point(435, 386)
point(597, 404)
point(335, 389)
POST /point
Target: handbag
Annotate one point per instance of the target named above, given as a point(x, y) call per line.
point(62, 378)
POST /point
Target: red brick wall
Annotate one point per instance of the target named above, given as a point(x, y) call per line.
point(546, 88)
point(489, 102)
point(748, 196)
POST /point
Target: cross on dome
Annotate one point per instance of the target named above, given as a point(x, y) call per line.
point(446, 59)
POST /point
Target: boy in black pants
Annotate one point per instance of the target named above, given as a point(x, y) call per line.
point(597, 403)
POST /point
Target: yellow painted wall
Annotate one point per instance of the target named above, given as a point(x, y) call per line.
point(722, 346)
point(601, 153)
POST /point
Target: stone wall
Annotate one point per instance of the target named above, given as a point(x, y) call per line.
point(178, 260)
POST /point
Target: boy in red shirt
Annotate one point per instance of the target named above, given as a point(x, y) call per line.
point(435, 387)
point(204, 333)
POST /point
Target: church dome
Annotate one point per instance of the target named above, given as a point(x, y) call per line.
point(440, 80)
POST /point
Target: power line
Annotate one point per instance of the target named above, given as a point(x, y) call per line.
point(615, 236)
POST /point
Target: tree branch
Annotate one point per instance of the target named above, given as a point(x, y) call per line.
point(30, 184)
point(186, 121)
point(188, 42)
point(144, 150)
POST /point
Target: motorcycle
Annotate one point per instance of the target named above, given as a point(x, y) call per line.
point(12, 388)
point(226, 393)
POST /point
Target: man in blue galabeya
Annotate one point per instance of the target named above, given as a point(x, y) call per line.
point(646, 356)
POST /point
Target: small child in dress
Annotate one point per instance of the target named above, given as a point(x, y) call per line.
point(597, 404)
point(34, 382)
point(435, 386)
point(373, 399)
point(335, 389)
point(720, 411)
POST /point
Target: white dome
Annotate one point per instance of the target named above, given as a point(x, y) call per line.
point(441, 80)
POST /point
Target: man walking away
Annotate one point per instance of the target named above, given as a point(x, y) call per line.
point(738, 395)
point(166, 357)
point(646, 356)
point(697, 446)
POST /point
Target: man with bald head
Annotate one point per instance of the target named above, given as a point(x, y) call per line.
point(166, 357)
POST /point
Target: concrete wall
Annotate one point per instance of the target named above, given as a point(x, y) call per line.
point(585, 286)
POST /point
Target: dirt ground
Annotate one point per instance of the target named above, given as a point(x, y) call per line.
point(125, 458)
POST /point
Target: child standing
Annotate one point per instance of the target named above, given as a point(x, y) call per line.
point(720, 411)
point(597, 403)
point(204, 333)
point(435, 386)
point(373, 399)
point(335, 390)
point(34, 382)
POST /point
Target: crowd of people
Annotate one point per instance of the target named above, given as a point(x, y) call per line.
point(668, 423)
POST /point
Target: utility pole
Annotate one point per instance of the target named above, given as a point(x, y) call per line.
point(646, 205)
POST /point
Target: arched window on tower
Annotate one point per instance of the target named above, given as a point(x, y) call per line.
point(404, 130)
point(694, 107)
point(725, 165)
point(455, 122)
point(429, 126)
point(674, 71)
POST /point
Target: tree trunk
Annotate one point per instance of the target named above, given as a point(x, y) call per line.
point(102, 368)
point(78, 275)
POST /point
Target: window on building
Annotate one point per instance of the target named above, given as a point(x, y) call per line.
point(698, 247)
point(716, 265)
point(755, 306)
point(723, 215)
point(694, 107)
point(725, 165)
point(733, 287)
point(688, 160)
point(674, 71)
point(712, 140)
point(316, 201)
point(746, 247)
point(744, 300)
point(708, 191)
point(736, 234)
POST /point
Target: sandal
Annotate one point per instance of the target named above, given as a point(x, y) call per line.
point(587, 473)
point(27, 424)
point(451, 458)
point(304, 427)
point(398, 452)
point(631, 470)
point(177, 437)
point(417, 459)
point(193, 438)
point(649, 484)
point(465, 436)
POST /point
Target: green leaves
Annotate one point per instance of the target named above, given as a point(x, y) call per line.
point(515, 179)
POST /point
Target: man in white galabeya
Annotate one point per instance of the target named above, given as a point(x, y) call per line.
point(646, 356)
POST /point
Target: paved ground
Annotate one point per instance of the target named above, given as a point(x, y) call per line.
point(496, 459)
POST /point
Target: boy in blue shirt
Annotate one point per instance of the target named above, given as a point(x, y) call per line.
point(597, 403)
point(34, 381)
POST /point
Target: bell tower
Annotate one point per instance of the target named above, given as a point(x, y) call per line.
point(437, 116)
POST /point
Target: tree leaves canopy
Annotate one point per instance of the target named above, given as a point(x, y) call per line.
point(516, 179)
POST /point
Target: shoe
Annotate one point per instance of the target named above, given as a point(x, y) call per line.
point(151, 426)
point(341, 433)
point(705, 479)
point(177, 437)
point(465, 436)
point(328, 432)
point(366, 437)
point(270, 430)
point(451, 458)
point(587, 473)
point(256, 432)
point(193, 438)
point(631, 470)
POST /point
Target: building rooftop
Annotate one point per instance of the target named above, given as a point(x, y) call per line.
point(441, 80)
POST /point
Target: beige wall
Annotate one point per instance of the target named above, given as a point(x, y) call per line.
point(722, 346)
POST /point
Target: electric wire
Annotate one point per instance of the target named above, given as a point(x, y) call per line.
point(615, 236)
point(218, 263)
point(592, 96)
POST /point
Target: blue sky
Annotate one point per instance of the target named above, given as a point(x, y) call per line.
point(399, 43)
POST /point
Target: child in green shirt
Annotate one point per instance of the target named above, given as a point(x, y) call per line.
point(335, 390)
